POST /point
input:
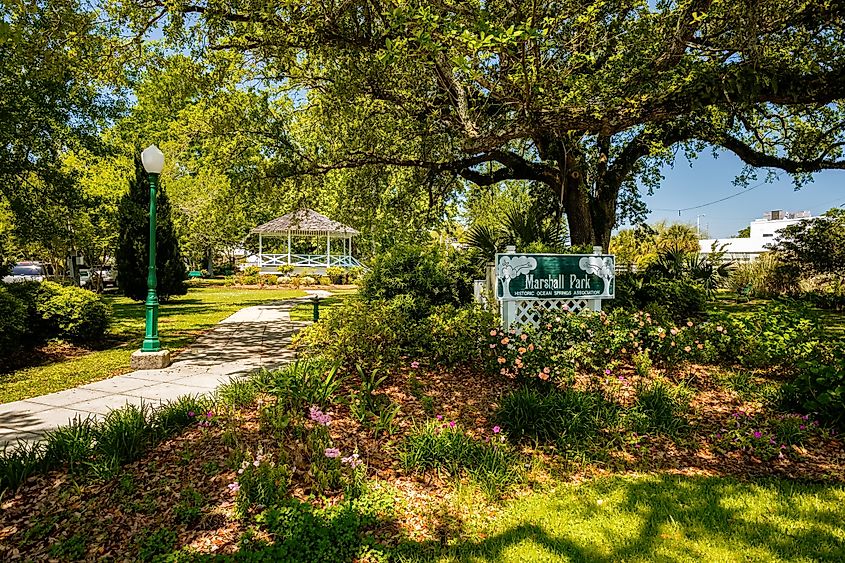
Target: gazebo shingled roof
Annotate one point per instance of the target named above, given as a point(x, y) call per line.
point(304, 222)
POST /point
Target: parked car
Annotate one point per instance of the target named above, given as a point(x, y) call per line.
point(106, 275)
point(26, 271)
point(84, 277)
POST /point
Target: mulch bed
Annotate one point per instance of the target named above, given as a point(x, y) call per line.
point(113, 515)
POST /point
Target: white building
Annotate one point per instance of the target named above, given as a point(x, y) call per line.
point(764, 232)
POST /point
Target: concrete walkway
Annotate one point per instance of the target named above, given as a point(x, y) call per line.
point(252, 338)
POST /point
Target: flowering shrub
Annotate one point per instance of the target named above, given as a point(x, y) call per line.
point(780, 335)
point(259, 482)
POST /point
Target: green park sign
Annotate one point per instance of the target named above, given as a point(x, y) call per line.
point(555, 276)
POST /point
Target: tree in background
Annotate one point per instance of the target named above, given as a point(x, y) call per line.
point(584, 98)
point(132, 258)
point(641, 246)
point(814, 246)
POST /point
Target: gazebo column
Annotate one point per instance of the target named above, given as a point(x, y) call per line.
point(328, 250)
point(288, 248)
point(260, 251)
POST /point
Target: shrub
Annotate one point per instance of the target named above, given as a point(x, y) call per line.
point(781, 334)
point(358, 332)
point(270, 279)
point(336, 274)
point(456, 335)
point(429, 276)
point(681, 298)
point(569, 417)
point(307, 280)
point(13, 322)
point(819, 385)
point(286, 269)
point(72, 313)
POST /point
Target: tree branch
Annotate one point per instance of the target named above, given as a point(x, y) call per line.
point(752, 156)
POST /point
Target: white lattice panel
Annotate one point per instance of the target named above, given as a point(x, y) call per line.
point(516, 314)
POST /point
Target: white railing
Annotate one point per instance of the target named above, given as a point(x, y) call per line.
point(308, 261)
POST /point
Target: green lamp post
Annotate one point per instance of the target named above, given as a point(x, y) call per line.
point(151, 355)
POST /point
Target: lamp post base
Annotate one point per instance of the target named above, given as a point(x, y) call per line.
point(150, 360)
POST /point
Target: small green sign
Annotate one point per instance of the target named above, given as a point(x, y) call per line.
point(555, 276)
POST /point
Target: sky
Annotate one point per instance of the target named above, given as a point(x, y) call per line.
point(709, 179)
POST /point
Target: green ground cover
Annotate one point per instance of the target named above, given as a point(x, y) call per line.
point(833, 321)
point(181, 321)
point(654, 518)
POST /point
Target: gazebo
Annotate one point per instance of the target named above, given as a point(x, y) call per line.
point(306, 223)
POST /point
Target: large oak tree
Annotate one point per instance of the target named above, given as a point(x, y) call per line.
point(584, 97)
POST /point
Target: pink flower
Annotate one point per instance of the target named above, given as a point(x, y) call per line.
point(415, 365)
point(493, 332)
point(332, 452)
point(351, 460)
point(235, 487)
point(439, 417)
point(209, 414)
point(757, 434)
point(523, 337)
point(256, 463)
point(496, 430)
point(607, 372)
point(191, 414)
point(451, 424)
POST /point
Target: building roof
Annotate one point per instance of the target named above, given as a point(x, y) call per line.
point(304, 222)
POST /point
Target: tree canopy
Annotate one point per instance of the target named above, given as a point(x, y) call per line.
point(585, 98)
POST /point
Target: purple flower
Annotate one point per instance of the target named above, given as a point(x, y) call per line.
point(451, 424)
point(332, 452)
point(802, 427)
point(209, 414)
point(718, 436)
point(607, 371)
point(235, 487)
point(319, 416)
point(496, 430)
point(757, 434)
point(191, 414)
point(439, 417)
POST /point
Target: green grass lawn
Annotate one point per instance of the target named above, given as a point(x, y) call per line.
point(180, 322)
point(653, 518)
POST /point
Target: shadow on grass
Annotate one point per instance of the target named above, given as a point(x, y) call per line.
point(661, 519)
